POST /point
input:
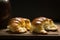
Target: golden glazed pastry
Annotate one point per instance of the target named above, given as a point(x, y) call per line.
point(41, 24)
point(19, 25)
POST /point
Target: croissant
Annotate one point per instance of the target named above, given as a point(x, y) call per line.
point(19, 25)
point(41, 24)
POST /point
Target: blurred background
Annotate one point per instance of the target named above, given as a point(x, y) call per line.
point(32, 9)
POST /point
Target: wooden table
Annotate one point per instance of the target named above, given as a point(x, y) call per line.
point(4, 34)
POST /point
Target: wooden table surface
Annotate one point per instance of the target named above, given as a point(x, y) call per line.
point(5, 34)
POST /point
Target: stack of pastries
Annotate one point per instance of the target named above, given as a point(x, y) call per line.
point(38, 25)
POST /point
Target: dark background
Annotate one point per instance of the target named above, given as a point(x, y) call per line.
point(32, 9)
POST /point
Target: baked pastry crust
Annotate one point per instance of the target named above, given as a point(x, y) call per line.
point(41, 24)
point(19, 24)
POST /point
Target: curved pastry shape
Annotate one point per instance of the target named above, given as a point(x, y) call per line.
point(19, 24)
point(27, 24)
point(41, 24)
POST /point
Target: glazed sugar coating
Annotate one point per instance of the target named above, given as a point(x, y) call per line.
point(19, 24)
point(27, 23)
point(43, 23)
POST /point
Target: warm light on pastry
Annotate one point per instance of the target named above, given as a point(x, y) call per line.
point(27, 23)
point(19, 25)
point(41, 24)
